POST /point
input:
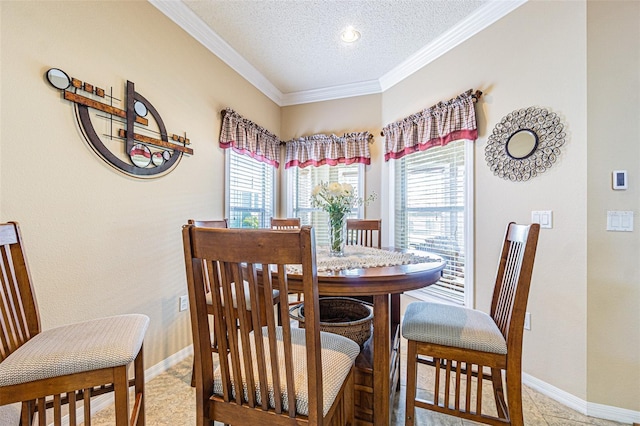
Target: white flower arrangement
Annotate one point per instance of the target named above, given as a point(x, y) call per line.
point(337, 199)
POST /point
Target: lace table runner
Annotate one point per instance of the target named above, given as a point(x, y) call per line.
point(357, 257)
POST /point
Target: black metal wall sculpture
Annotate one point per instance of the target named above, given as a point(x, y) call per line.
point(144, 156)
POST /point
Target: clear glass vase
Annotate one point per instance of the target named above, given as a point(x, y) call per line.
point(337, 235)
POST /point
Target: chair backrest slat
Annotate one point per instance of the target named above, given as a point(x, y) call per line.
point(213, 277)
point(19, 317)
point(272, 344)
point(285, 223)
point(259, 354)
point(513, 279)
point(364, 232)
point(256, 317)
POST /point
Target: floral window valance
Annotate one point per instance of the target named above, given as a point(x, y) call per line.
point(247, 138)
point(318, 150)
point(438, 125)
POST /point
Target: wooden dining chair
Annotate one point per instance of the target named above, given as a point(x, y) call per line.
point(288, 223)
point(269, 374)
point(364, 232)
point(285, 223)
point(217, 223)
point(45, 369)
point(460, 342)
point(367, 233)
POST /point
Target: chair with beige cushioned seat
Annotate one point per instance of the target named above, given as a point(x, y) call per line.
point(267, 374)
point(46, 369)
point(460, 342)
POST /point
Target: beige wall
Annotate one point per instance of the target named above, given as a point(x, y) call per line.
point(99, 242)
point(613, 322)
point(536, 56)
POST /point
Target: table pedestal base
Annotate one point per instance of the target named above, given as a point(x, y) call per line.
point(364, 389)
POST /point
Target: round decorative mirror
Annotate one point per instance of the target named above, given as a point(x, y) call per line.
point(524, 144)
point(58, 78)
point(140, 109)
point(140, 155)
point(157, 158)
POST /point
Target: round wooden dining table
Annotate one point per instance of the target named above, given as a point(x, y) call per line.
point(378, 366)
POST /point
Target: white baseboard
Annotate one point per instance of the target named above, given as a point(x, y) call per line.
point(608, 412)
point(591, 409)
point(565, 398)
point(167, 363)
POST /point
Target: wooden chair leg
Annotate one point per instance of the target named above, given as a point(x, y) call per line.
point(86, 406)
point(139, 408)
point(514, 397)
point(498, 392)
point(121, 396)
point(71, 396)
point(57, 410)
point(349, 400)
point(412, 381)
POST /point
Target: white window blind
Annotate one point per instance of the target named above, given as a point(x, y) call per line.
point(301, 183)
point(250, 191)
point(430, 212)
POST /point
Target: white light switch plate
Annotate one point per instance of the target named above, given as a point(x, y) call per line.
point(543, 217)
point(621, 221)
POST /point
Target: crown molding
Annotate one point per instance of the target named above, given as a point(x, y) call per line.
point(464, 30)
point(179, 13)
point(334, 92)
point(184, 17)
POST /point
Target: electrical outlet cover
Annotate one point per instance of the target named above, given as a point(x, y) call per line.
point(184, 303)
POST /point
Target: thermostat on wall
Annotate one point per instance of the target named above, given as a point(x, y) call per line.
point(619, 179)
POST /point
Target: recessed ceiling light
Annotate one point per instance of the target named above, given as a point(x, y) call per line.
point(349, 35)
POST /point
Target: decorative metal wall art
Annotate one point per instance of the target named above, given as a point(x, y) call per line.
point(149, 151)
point(525, 143)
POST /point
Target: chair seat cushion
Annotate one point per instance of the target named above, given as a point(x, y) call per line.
point(76, 348)
point(233, 295)
point(455, 326)
point(338, 356)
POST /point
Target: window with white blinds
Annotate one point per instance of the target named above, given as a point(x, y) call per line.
point(430, 212)
point(301, 183)
point(250, 191)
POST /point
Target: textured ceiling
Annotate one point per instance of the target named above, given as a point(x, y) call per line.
point(291, 49)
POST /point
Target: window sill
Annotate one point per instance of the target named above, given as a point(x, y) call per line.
point(425, 297)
